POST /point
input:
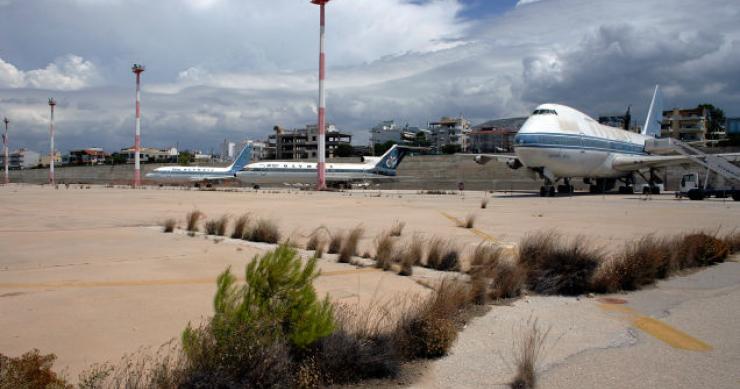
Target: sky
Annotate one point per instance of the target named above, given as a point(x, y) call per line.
point(218, 69)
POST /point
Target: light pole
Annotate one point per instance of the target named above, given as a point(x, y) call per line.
point(137, 69)
point(5, 150)
point(52, 103)
point(321, 165)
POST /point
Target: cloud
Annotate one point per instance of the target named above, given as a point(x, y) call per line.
point(524, 2)
point(218, 69)
point(69, 72)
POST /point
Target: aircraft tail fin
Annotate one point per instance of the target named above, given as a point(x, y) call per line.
point(389, 161)
point(655, 115)
point(242, 159)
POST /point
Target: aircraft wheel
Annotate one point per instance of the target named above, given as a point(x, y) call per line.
point(551, 191)
point(736, 195)
point(696, 194)
point(543, 191)
point(655, 190)
point(646, 190)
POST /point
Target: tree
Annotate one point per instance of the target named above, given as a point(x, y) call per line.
point(451, 149)
point(380, 148)
point(343, 150)
point(185, 158)
point(716, 119)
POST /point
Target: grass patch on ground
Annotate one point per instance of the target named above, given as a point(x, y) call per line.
point(349, 245)
point(397, 228)
point(335, 242)
point(169, 225)
point(265, 231)
point(384, 251)
point(443, 255)
point(240, 227)
point(191, 221)
point(528, 350)
point(217, 226)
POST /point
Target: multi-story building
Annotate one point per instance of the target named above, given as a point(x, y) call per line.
point(150, 154)
point(449, 132)
point(90, 156)
point(21, 159)
point(45, 159)
point(494, 136)
point(260, 150)
point(388, 131)
point(685, 124)
point(228, 151)
point(303, 143)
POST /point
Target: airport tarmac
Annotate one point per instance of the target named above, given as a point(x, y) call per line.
point(86, 274)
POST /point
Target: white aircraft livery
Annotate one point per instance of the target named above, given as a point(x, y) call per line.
point(198, 173)
point(560, 143)
point(381, 168)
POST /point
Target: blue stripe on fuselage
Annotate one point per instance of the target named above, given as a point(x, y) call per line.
point(572, 141)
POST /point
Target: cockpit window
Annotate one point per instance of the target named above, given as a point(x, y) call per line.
point(544, 112)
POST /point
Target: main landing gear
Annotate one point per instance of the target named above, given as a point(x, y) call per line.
point(548, 190)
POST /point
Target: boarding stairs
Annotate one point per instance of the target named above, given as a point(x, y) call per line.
point(712, 162)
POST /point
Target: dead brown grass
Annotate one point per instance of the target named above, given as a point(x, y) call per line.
point(191, 221)
point(335, 242)
point(217, 226)
point(443, 255)
point(397, 228)
point(265, 231)
point(349, 245)
point(484, 203)
point(240, 227)
point(468, 222)
point(732, 240)
point(528, 350)
point(169, 225)
point(555, 265)
point(493, 276)
point(384, 251)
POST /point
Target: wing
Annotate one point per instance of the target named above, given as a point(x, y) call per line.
point(628, 163)
point(483, 159)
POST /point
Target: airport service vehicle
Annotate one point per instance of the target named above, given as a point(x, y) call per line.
point(691, 187)
point(341, 175)
point(558, 143)
point(202, 174)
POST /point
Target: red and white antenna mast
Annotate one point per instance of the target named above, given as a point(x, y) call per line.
point(5, 150)
point(321, 165)
point(137, 69)
point(52, 104)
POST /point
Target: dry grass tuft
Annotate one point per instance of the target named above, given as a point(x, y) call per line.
point(492, 276)
point(335, 243)
point(217, 226)
point(384, 251)
point(484, 203)
point(443, 255)
point(528, 350)
point(316, 239)
point(397, 228)
point(639, 264)
point(701, 249)
point(415, 250)
point(554, 265)
point(169, 225)
point(265, 231)
point(468, 222)
point(191, 221)
point(732, 240)
point(30, 370)
point(349, 245)
point(430, 330)
point(240, 227)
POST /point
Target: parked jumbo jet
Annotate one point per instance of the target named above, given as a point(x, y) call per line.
point(381, 168)
point(197, 173)
point(560, 143)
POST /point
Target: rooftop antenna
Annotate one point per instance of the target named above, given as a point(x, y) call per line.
point(52, 104)
point(5, 150)
point(137, 69)
point(320, 166)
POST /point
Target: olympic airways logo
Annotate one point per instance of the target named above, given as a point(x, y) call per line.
point(390, 163)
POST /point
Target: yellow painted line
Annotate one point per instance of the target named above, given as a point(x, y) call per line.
point(669, 335)
point(481, 234)
point(161, 282)
point(658, 329)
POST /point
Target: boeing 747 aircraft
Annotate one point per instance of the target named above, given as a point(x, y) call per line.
point(381, 168)
point(197, 173)
point(560, 143)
